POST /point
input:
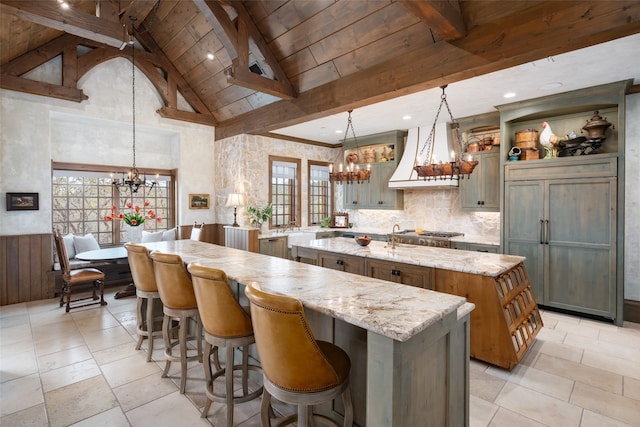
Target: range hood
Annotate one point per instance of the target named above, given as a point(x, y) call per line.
point(405, 176)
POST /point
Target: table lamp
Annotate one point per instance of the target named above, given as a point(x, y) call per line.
point(235, 200)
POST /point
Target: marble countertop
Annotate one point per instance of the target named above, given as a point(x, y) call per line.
point(484, 264)
point(395, 311)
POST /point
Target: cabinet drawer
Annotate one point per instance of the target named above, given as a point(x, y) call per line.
point(420, 277)
point(346, 263)
point(596, 166)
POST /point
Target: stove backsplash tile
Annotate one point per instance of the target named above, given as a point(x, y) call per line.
point(430, 209)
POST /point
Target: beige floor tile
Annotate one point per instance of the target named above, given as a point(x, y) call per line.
point(539, 407)
point(144, 390)
point(480, 412)
point(34, 416)
point(58, 344)
point(14, 348)
point(12, 310)
point(99, 340)
point(44, 318)
point(631, 327)
point(116, 352)
point(66, 375)
point(551, 335)
point(631, 387)
point(16, 319)
point(596, 377)
point(507, 418)
point(535, 379)
point(578, 329)
point(96, 323)
point(17, 365)
point(614, 349)
point(484, 385)
point(626, 338)
point(62, 358)
point(562, 351)
point(168, 411)
point(52, 331)
point(19, 394)
point(129, 369)
point(15, 334)
point(552, 316)
point(591, 419)
point(609, 404)
point(113, 417)
point(79, 401)
point(626, 367)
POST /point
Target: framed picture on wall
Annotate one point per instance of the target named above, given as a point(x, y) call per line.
point(340, 220)
point(22, 202)
point(199, 201)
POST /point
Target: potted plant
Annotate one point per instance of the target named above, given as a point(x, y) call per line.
point(258, 216)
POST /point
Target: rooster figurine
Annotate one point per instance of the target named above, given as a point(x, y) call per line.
point(548, 140)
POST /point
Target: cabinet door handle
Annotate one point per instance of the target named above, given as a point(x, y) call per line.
point(380, 202)
point(340, 262)
point(355, 202)
point(272, 240)
point(546, 223)
point(395, 272)
point(542, 232)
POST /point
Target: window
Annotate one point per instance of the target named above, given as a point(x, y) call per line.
point(320, 192)
point(284, 191)
point(82, 198)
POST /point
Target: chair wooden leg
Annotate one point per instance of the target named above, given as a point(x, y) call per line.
point(150, 328)
point(348, 407)
point(68, 297)
point(207, 375)
point(139, 321)
point(229, 383)
point(166, 321)
point(265, 409)
point(183, 353)
point(303, 415)
point(102, 301)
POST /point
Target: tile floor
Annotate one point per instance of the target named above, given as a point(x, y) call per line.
point(81, 369)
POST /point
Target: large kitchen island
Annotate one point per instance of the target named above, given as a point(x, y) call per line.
point(506, 318)
point(409, 347)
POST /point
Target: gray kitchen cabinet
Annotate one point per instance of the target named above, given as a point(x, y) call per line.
point(375, 194)
point(566, 229)
point(480, 247)
point(480, 191)
point(274, 246)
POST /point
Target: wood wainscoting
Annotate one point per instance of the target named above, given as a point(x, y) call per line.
point(26, 268)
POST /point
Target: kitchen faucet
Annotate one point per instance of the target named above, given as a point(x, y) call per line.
point(394, 239)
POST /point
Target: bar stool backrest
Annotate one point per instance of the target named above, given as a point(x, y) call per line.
point(174, 284)
point(141, 266)
point(220, 312)
point(290, 356)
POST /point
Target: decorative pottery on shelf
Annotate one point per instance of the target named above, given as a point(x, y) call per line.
point(134, 234)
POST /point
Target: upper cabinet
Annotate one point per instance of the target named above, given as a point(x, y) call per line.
point(480, 191)
point(380, 153)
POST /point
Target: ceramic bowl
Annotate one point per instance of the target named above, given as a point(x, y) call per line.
point(363, 241)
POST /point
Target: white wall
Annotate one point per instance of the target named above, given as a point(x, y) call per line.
point(38, 130)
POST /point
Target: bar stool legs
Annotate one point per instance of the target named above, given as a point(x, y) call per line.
point(212, 344)
point(183, 357)
point(145, 323)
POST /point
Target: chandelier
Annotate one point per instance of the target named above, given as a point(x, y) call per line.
point(456, 168)
point(133, 180)
point(353, 173)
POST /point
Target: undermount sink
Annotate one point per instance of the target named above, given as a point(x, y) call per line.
point(300, 237)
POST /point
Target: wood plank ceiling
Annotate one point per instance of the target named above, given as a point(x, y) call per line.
point(281, 62)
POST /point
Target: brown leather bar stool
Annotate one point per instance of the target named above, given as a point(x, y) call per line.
point(226, 325)
point(144, 279)
point(179, 302)
point(77, 277)
point(297, 368)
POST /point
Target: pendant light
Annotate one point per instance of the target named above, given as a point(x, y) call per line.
point(353, 172)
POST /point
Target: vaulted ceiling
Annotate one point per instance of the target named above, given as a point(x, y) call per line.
point(276, 63)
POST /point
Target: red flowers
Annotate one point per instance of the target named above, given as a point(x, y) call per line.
point(134, 218)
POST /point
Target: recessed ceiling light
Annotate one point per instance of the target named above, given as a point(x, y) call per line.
point(406, 117)
point(338, 131)
point(64, 5)
point(210, 56)
point(509, 94)
point(550, 86)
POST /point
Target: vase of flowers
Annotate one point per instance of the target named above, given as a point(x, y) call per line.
point(257, 216)
point(133, 218)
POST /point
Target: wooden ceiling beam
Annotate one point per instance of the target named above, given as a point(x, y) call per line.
point(33, 87)
point(71, 21)
point(34, 58)
point(186, 116)
point(547, 29)
point(443, 17)
point(138, 8)
point(235, 39)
